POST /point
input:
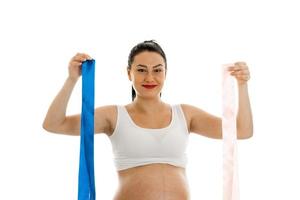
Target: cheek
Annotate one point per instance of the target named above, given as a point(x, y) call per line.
point(137, 78)
point(162, 77)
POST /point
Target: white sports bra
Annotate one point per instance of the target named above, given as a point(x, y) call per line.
point(136, 146)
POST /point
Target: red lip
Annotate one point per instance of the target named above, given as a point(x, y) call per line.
point(149, 86)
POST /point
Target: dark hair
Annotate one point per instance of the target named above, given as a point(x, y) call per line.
point(148, 45)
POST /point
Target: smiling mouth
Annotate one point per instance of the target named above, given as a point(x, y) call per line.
point(149, 86)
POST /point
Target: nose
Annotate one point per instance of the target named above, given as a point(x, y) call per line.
point(149, 77)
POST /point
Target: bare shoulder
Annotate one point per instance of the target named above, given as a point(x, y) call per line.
point(191, 110)
point(187, 109)
point(104, 116)
point(202, 122)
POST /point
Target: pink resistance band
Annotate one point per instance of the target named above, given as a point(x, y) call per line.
point(229, 132)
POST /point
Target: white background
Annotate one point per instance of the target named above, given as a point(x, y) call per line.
point(38, 38)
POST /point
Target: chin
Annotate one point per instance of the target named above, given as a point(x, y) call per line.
point(150, 96)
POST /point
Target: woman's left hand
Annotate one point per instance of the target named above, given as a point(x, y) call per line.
point(241, 72)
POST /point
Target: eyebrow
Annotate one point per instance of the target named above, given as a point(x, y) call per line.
point(140, 65)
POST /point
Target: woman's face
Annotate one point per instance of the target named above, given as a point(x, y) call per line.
point(148, 68)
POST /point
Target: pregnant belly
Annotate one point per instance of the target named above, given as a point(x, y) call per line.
point(153, 182)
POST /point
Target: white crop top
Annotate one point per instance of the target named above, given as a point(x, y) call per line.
point(136, 146)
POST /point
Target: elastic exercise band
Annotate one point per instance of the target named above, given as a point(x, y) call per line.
point(86, 180)
point(230, 170)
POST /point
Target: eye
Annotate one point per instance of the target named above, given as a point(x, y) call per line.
point(140, 70)
point(158, 70)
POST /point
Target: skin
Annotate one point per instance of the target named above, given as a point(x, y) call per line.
point(148, 101)
point(154, 181)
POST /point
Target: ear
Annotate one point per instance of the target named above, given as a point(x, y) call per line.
point(129, 75)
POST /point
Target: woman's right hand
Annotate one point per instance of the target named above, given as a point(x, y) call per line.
point(76, 63)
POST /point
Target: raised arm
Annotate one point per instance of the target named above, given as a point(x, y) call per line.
point(56, 115)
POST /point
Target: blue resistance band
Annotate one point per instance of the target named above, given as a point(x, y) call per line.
point(86, 178)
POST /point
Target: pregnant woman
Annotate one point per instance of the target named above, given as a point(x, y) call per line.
point(149, 136)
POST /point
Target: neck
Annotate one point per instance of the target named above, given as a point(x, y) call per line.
point(148, 106)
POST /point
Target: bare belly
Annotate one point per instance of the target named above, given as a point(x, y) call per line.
point(153, 182)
